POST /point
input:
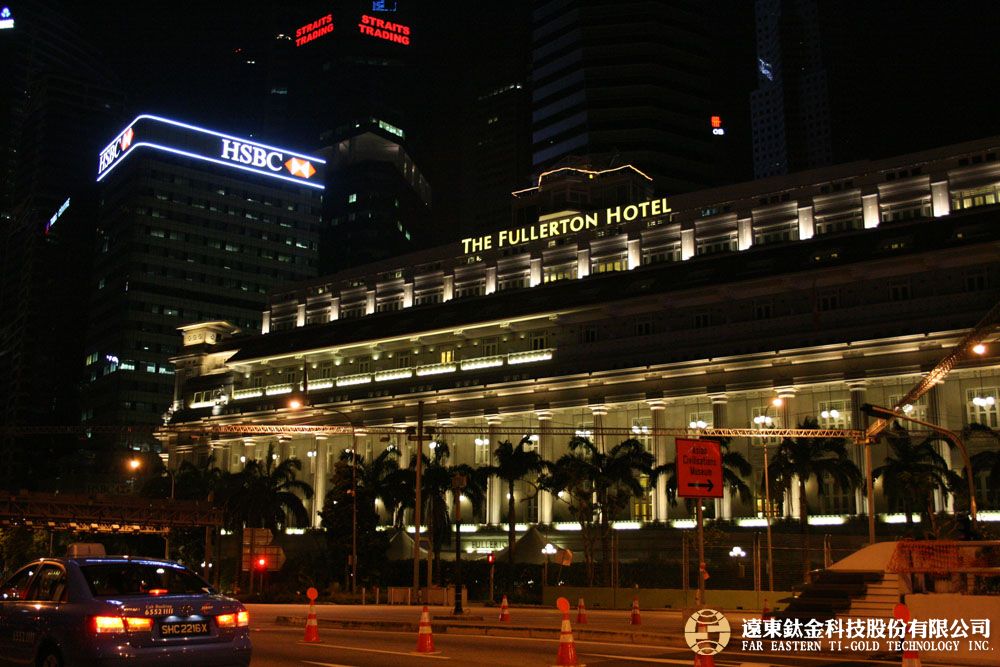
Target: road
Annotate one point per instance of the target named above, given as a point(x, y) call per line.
point(276, 645)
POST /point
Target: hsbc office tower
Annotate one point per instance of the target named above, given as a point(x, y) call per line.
point(194, 225)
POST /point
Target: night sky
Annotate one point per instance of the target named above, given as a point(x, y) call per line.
point(908, 75)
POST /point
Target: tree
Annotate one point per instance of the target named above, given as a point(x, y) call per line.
point(911, 473)
point(598, 484)
point(265, 494)
point(376, 479)
point(514, 463)
point(735, 468)
point(436, 481)
point(799, 459)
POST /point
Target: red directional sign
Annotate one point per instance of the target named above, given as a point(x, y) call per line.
point(699, 468)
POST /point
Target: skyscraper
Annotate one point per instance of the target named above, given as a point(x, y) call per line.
point(56, 101)
point(790, 108)
point(625, 83)
point(194, 225)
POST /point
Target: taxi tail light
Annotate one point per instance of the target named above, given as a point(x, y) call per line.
point(239, 619)
point(119, 624)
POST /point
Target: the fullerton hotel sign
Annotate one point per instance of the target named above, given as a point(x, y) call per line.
point(546, 229)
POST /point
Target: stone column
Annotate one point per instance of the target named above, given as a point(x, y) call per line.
point(723, 505)
point(545, 450)
point(599, 412)
point(495, 492)
point(661, 508)
point(320, 475)
point(858, 388)
point(943, 501)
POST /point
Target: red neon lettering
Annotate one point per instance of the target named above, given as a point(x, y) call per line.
point(716, 121)
point(391, 32)
point(313, 30)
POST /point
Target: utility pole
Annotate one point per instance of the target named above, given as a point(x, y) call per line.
point(458, 483)
point(416, 502)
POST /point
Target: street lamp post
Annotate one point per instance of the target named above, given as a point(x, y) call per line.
point(134, 464)
point(765, 421)
point(548, 550)
point(458, 482)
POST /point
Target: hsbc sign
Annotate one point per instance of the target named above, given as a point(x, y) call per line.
point(264, 158)
point(190, 141)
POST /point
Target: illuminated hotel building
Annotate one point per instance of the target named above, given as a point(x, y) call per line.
point(828, 288)
point(194, 225)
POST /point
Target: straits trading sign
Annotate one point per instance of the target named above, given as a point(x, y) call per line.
point(571, 224)
point(171, 136)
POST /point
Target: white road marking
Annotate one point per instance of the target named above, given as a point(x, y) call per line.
point(375, 650)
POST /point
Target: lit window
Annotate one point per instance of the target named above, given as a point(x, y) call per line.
point(351, 198)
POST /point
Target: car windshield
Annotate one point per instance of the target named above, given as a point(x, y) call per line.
point(132, 578)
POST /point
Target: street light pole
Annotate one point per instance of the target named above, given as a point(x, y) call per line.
point(458, 483)
point(417, 501)
point(166, 537)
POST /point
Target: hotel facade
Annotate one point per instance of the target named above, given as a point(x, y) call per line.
point(618, 309)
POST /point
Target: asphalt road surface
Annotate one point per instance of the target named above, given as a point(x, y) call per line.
point(281, 645)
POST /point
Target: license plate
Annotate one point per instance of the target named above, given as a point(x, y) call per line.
point(186, 629)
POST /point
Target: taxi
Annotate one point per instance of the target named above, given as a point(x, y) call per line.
point(118, 610)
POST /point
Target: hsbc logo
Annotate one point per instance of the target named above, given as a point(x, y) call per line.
point(116, 149)
point(264, 158)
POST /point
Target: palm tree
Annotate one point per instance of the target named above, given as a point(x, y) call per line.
point(598, 484)
point(264, 494)
point(377, 479)
point(912, 472)
point(436, 482)
point(735, 468)
point(515, 463)
point(799, 459)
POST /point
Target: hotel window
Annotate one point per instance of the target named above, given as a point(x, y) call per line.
point(469, 289)
point(917, 410)
point(402, 361)
point(490, 347)
point(763, 310)
point(641, 431)
point(609, 264)
point(325, 371)
point(982, 405)
point(352, 311)
point(539, 341)
point(776, 234)
point(839, 222)
point(899, 290)
point(700, 419)
point(559, 272)
point(389, 305)
point(483, 453)
point(833, 499)
point(364, 365)
point(447, 356)
point(906, 210)
point(644, 326)
point(828, 301)
point(427, 297)
point(701, 320)
point(761, 498)
point(513, 282)
point(834, 414)
point(765, 418)
point(973, 198)
point(668, 253)
point(716, 244)
point(976, 280)
point(588, 334)
point(642, 506)
point(352, 198)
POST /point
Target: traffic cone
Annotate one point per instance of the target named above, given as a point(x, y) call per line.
point(567, 649)
point(504, 611)
point(765, 611)
point(902, 613)
point(911, 659)
point(425, 637)
point(703, 660)
point(312, 625)
point(635, 618)
point(581, 613)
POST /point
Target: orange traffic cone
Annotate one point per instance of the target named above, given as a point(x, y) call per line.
point(765, 611)
point(635, 618)
point(703, 660)
point(567, 649)
point(581, 613)
point(312, 625)
point(902, 613)
point(504, 611)
point(425, 638)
